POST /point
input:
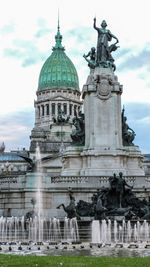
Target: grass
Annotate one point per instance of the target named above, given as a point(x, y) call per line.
point(71, 261)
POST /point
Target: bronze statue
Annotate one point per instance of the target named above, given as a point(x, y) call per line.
point(78, 134)
point(103, 56)
point(71, 208)
point(32, 163)
point(92, 60)
point(120, 188)
point(116, 200)
point(128, 134)
point(99, 210)
point(61, 118)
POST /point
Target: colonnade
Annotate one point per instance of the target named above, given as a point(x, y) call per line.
point(53, 108)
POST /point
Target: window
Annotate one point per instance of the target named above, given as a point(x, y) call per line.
point(59, 108)
point(38, 112)
point(70, 109)
point(75, 110)
point(42, 110)
point(47, 109)
point(65, 108)
point(53, 108)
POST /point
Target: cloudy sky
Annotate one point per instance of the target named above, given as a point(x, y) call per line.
point(27, 31)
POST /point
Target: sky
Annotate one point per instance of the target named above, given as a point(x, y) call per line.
point(27, 35)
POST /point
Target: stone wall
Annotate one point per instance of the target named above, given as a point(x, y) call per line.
point(17, 192)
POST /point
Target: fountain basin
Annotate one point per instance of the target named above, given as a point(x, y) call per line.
point(133, 246)
point(119, 246)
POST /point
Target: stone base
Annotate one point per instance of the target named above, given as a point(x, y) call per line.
point(72, 161)
point(49, 140)
point(102, 162)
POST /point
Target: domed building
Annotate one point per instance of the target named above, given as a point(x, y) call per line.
point(58, 94)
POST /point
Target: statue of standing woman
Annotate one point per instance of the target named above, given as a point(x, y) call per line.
point(103, 53)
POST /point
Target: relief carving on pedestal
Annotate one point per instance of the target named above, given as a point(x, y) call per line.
point(65, 163)
point(103, 86)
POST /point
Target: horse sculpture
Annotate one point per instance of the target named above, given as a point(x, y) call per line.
point(70, 209)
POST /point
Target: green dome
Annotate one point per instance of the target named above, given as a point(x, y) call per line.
point(58, 70)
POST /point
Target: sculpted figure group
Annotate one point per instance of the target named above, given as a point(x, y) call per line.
point(101, 56)
point(108, 203)
point(61, 118)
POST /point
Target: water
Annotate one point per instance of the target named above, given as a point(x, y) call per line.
point(39, 198)
point(17, 229)
point(38, 228)
point(123, 232)
point(133, 236)
point(71, 230)
point(96, 232)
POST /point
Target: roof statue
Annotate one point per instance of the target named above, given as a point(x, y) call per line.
point(101, 57)
point(2, 148)
point(61, 118)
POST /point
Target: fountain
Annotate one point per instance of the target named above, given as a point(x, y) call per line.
point(17, 229)
point(120, 232)
point(34, 226)
point(39, 198)
point(102, 150)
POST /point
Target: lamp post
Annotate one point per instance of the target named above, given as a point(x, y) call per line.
point(7, 167)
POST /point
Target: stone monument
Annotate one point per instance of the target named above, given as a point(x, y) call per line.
point(108, 144)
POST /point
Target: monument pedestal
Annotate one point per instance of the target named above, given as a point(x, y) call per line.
point(107, 161)
point(102, 108)
point(103, 153)
point(86, 162)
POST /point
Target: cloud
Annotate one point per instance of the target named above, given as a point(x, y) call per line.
point(138, 118)
point(40, 33)
point(26, 51)
point(132, 62)
point(10, 52)
point(142, 108)
point(29, 53)
point(15, 129)
point(81, 34)
point(122, 52)
point(78, 41)
point(41, 22)
point(7, 29)
point(43, 29)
